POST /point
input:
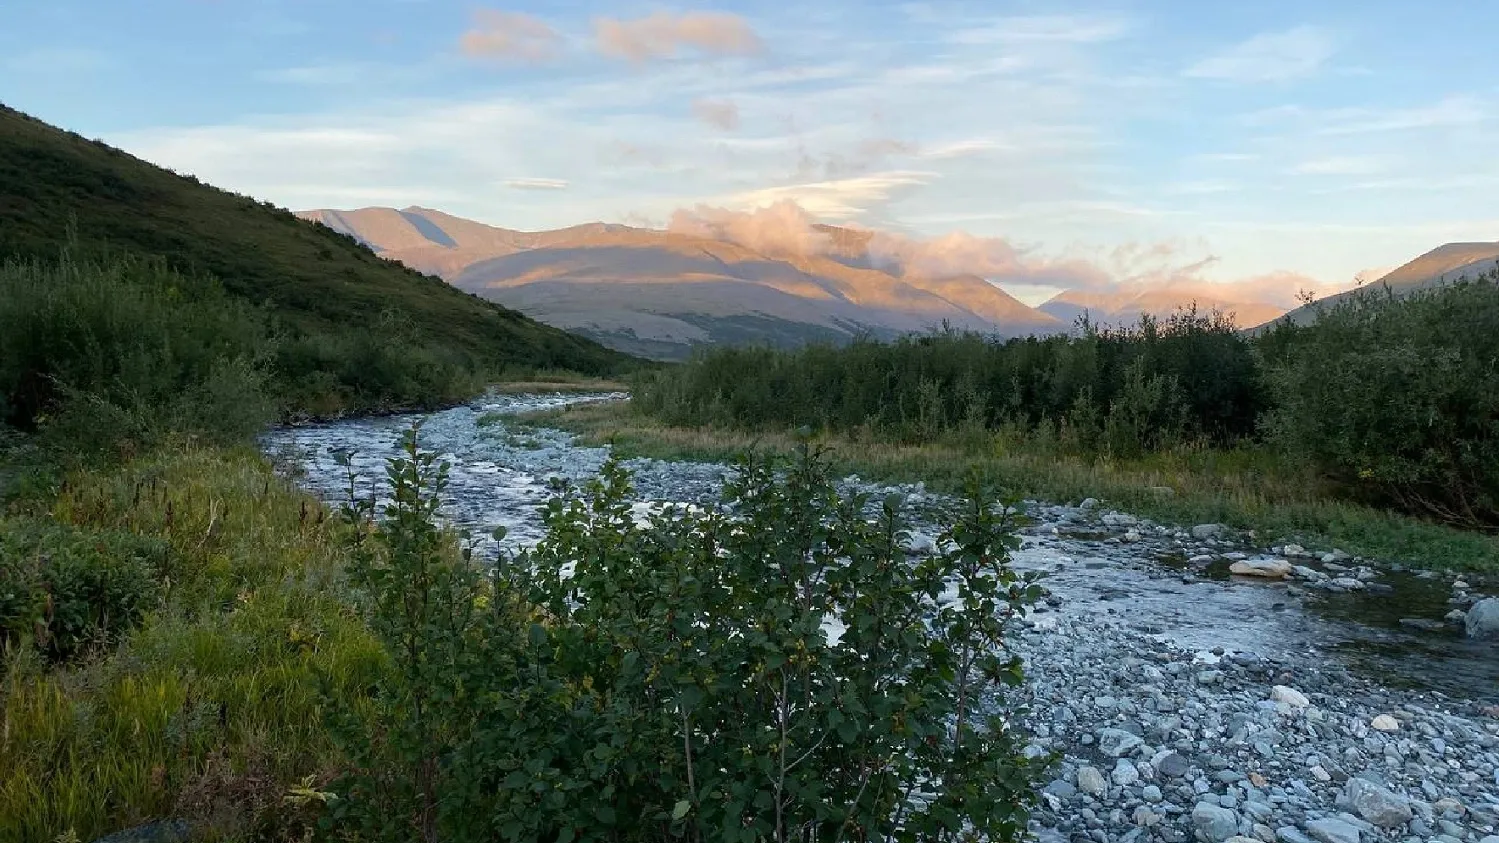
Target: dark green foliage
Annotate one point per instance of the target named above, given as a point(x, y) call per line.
point(675, 679)
point(120, 356)
point(63, 588)
point(1189, 377)
point(318, 285)
point(1397, 399)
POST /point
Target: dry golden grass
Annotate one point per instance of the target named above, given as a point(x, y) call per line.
point(1247, 488)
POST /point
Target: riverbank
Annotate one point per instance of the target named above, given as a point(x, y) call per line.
point(1151, 672)
point(198, 692)
point(1273, 503)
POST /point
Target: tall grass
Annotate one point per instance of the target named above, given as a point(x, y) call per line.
point(210, 710)
point(1256, 489)
point(1384, 400)
point(116, 357)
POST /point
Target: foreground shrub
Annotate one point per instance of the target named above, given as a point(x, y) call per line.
point(774, 667)
point(1398, 399)
point(208, 708)
point(62, 588)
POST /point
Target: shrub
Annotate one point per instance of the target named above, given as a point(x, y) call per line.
point(1398, 399)
point(63, 588)
point(774, 667)
point(104, 357)
point(1188, 377)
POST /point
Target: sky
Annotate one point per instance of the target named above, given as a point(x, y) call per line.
point(1232, 141)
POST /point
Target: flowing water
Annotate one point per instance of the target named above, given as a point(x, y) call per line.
point(500, 477)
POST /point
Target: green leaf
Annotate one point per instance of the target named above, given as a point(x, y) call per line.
point(680, 809)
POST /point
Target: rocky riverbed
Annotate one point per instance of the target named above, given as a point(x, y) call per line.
point(1195, 686)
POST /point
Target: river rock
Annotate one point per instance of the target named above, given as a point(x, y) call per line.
point(1089, 780)
point(1270, 568)
point(1060, 788)
point(1124, 773)
point(1482, 621)
point(1117, 742)
point(1173, 765)
point(1329, 830)
point(1376, 804)
point(1213, 823)
point(1203, 532)
point(1290, 696)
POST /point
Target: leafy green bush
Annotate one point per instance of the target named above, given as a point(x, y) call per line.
point(1398, 399)
point(62, 588)
point(120, 356)
point(775, 667)
point(1189, 377)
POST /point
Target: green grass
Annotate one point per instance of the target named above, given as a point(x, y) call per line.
point(209, 710)
point(316, 280)
point(1248, 489)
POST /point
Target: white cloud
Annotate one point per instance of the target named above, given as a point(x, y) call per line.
point(836, 199)
point(1044, 29)
point(536, 183)
point(1344, 165)
point(1455, 110)
point(1269, 57)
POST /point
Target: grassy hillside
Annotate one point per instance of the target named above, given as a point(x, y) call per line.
point(313, 280)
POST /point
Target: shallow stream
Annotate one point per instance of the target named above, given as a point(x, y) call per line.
point(1139, 576)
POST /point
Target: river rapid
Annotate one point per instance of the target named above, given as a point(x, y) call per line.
point(1336, 705)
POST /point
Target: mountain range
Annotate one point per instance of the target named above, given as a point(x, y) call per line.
point(62, 193)
point(1442, 265)
point(661, 292)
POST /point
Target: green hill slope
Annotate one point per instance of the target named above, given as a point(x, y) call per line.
point(317, 284)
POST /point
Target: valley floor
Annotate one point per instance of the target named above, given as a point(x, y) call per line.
point(1249, 490)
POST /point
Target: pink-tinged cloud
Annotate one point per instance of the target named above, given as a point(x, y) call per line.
point(663, 35)
point(780, 229)
point(721, 114)
point(1148, 277)
point(514, 36)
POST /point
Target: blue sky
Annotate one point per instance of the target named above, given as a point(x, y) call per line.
point(1318, 138)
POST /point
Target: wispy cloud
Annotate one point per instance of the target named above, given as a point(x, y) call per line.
point(1344, 165)
point(1044, 29)
point(513, 36)
point(961, 148)
point(721, 114)
point(536, 184)
point(663, 35)
point(1455, 110)
point(1200, 187)
point(837, 199)
point(1269, 57)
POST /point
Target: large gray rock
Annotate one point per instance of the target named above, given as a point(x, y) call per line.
point(1332, 831)
point(1483, 620)
point(1209, 531)
point(1117, 742)
point(1214, 824)
point(1089, 780)
point(1376, 804)
point(1173, 765)
point(1268, 568)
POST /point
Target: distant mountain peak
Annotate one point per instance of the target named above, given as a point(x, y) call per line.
point(656, 291)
